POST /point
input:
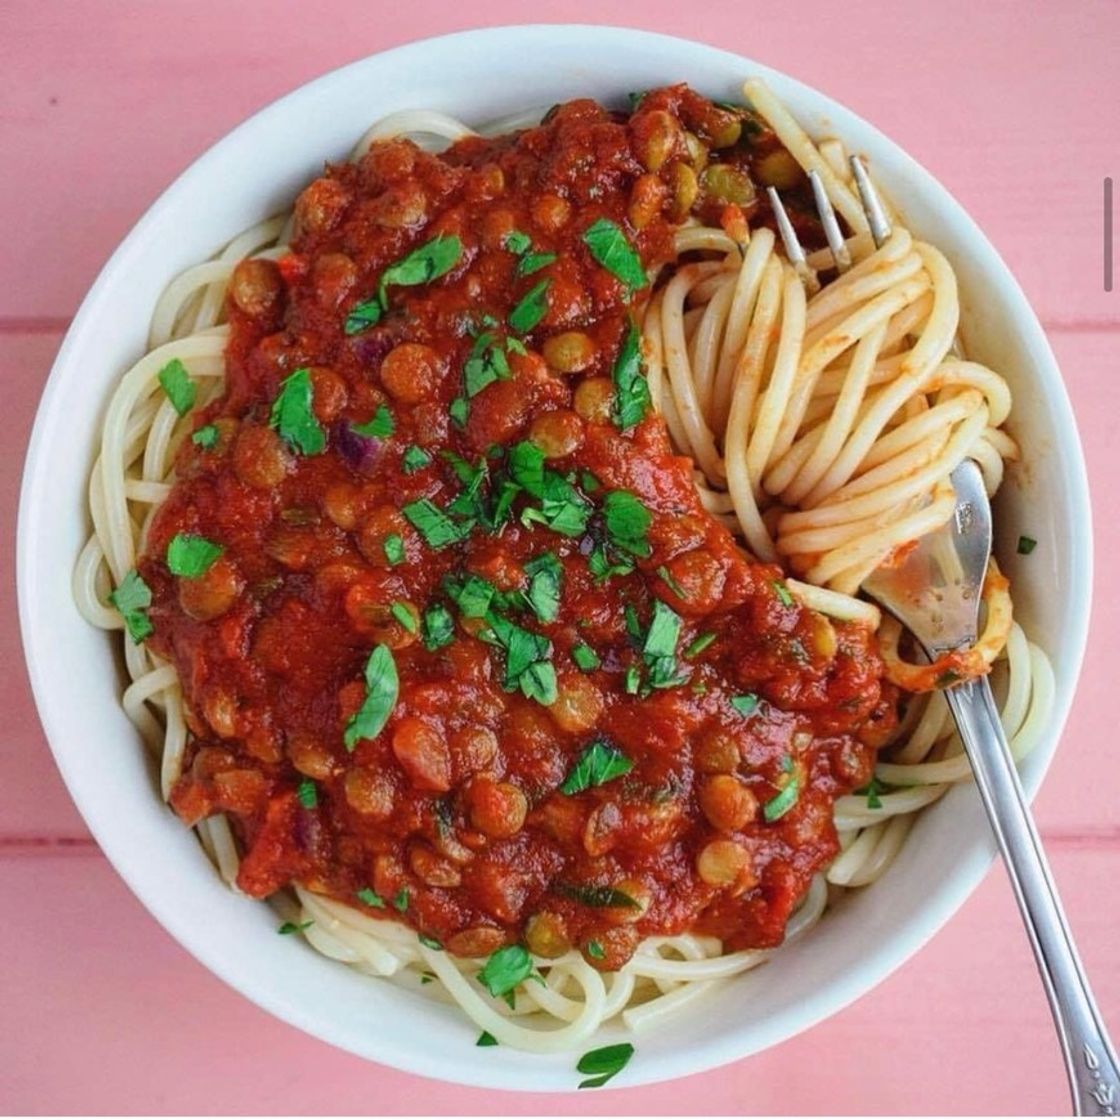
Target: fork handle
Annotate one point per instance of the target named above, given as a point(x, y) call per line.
point(1091, 1064)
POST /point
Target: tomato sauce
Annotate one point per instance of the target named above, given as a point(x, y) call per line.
point(725, 756)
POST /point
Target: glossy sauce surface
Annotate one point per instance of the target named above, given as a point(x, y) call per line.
point(453, 819)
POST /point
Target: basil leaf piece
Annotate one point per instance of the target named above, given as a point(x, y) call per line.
point(438, 628)
point(612, 249)
point(745, 705)
point(205, 437)
point(517, 242)
point(286, 928)
point(380, 427)
point(382, 687)
point(191, 556)
point(472, 595)
point(433, 524)
point(400, 902)
point(545, 573)
point(604, 1063)
point(534, 262)
point(429, 942)
point(627, 521)
point(177, 384)
point(563, 508)
point(599, 898)
point(505, 968)
point(526, 465)
point(595, 951)
point(292, 415)
point(780, 589)
point(405, 617)
point(487, 363)
point(424, 264)
point(394, 549)
point(538, 682)
point(585, 657)
point(486, 1039)
point(631, 389)
point(371, 898)
point(363, 315)
point(414, 459)
point(872, 791)
point(664, 632)
point(524, 651)
point(699, 644)
point(531, 309)
point(132, 598)
point(598, 764)
point(459, 409)
point(307, 793)
point(785, 800)
point(1027, 545)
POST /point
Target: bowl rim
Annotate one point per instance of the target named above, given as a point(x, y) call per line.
point(946, 897)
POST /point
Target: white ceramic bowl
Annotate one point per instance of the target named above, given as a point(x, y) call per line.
point(257, 170)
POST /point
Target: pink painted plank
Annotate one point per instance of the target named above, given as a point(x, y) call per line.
point(91, 984)
point(35, 804)
point(101, 104)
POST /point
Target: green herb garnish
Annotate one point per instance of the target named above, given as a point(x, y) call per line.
point(585, 657)
point(286, 928)
point(400, 901)
point(517, 242)
point(414, 459)
point(371, 898)
point(428, 942)
point(746, 704)
point(424, 264)
point(293, 417)
point(604, 1063)
point(598, 898)
point(671, 583)
point(363, 315)
point(595, 951)
point(307, 794)
point(132, 598)
point(780, 589)
point(699, 644)
point(205, 437)
point(598, 764)
point(627, 521)
point(438, 627)
point(785, 800)
point(394, 549)
point(191, 556)
point(403, 615)
point(631, 389)
point(505, 968)
point(178, 386)
point(1027, 545)
point(531, 309)
point(433, 524)
point(382, 687)
point(544, 574)
point(471, 594)
point(611, 248)
point(486, 364)
point(380, 427)
point(534, 262)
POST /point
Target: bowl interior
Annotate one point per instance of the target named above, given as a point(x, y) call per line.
point(481, 76)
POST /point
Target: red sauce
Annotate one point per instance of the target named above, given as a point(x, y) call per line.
point(454, 810)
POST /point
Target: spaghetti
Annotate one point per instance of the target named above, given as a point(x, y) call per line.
point(822, 426)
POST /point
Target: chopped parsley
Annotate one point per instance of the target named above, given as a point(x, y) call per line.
point(486, 1039)
point(786, 797)
point(545, 573)
point(1027, 545)
point(780, 589)
point(527, 659)
point(424, 264)
point(585, 657)
point(699, 644)
point(604, 1063)
point(872, 791)
point(471, 594)
point(394, 549)
point(205, 437)
point(380, 427)
point(371, 898)
point(534, 262)
point(293, 417)
point(363, 315)
point(612, 249)
point(191, 556)
point(505, 968)
point(414, 459)
point(286, 928)
point(438, 627)
point(599, 898)
point(307, 793)
point(402, 612)
point(671, 583)
point(746, 704)
point(429, 942)
point(382, 687)
point(400, 901)
point(517, 242)
point(434, 525)
point(595, 951)
point(531, 309)
point(631, 390)
point(178, 386)
point(132, 598)
point(627, 522)
point(459, 409)
point(598, 764)
point(486, 364)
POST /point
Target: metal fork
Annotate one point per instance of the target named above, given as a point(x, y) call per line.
point(935, 593)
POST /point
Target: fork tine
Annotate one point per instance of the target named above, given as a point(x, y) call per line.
point(872, 204)
point(794, 250)
point(835, 238)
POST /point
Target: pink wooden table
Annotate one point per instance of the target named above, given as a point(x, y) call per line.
point(102, 102)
